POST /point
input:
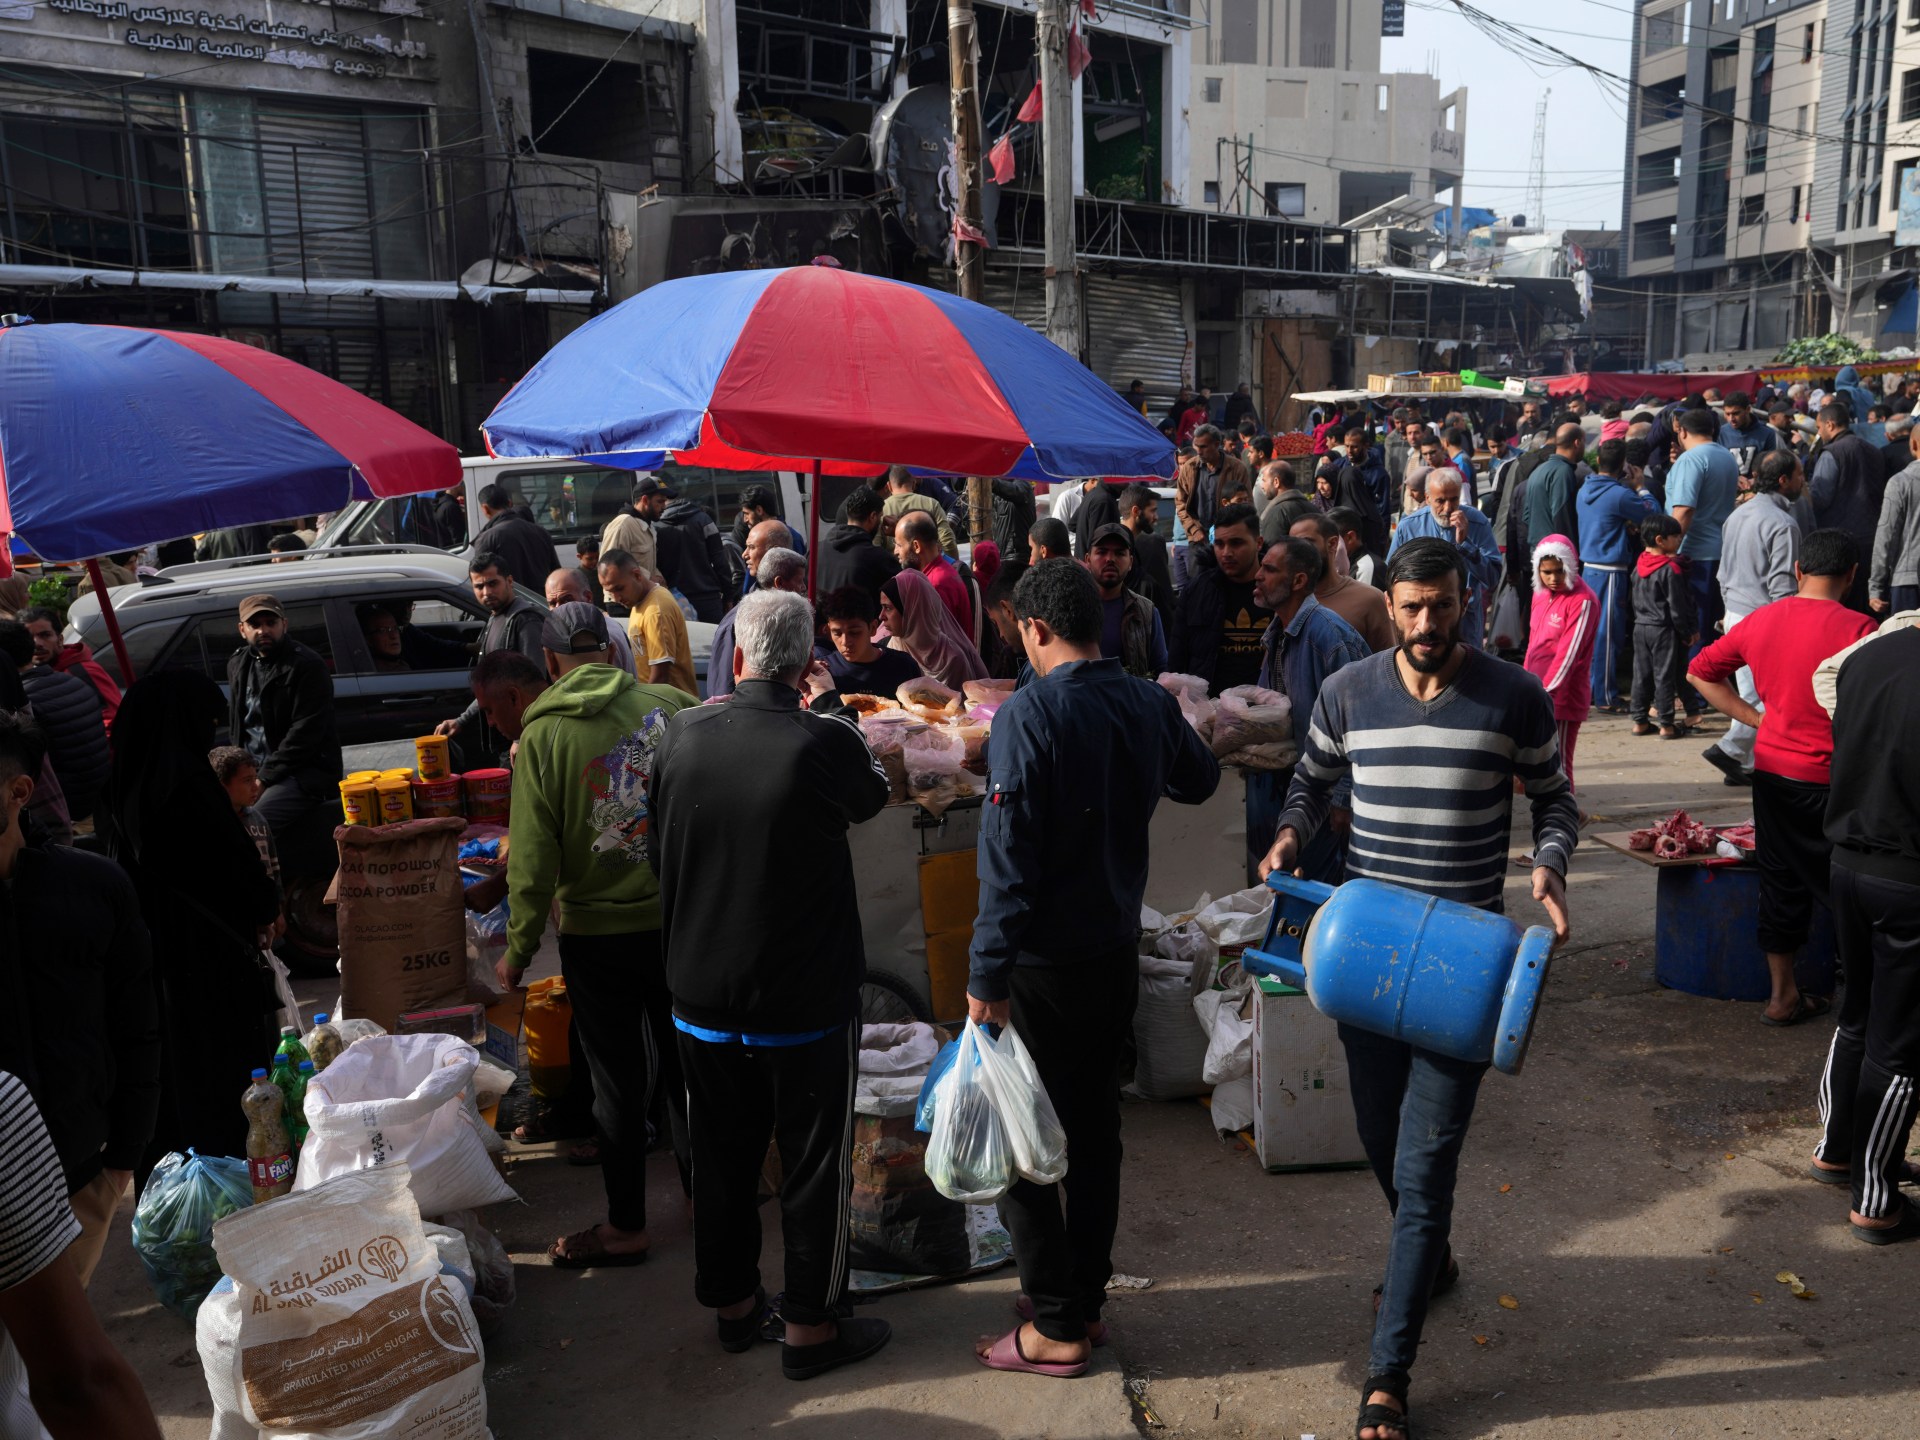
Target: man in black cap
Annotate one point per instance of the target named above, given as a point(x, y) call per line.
point(280, 711)
point(1130, 630)
point(578, 835)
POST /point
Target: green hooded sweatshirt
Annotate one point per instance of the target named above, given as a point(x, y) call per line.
point(579, 823)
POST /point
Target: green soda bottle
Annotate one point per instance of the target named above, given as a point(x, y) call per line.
point(291, 1050)
point(293, 1093)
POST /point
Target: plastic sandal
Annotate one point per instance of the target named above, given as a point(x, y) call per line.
point(585, 1250)
point(1006, 1355)
point(1384, 1417)
point(1096, 1329)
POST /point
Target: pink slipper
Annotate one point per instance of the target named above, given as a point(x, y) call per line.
point(1005, 1355)
point(1096, 1329)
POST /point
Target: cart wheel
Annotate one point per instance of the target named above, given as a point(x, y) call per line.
point(888, 1000)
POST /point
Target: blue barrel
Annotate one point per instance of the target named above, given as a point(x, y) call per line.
point(1433, 973)
point(1703, 936)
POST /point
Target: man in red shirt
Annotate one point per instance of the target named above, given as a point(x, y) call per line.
point(916, 545)
point(1783, 644)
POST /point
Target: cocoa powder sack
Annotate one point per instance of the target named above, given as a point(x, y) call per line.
point(403, 937)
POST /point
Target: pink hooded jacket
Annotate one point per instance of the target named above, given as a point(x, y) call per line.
point(1560, 647)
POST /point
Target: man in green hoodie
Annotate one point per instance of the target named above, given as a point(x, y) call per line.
point(578, 833)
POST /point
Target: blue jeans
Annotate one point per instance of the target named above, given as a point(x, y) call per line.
point(1611, 586)
point(1701, 575)
point(1412, 1108)
point(1905, 597)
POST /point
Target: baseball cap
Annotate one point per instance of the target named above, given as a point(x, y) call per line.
point(254, 604)
point(1110, 532)
point(652, 485)
point(560, 632)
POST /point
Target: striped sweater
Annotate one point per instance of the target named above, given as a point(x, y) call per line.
point(1433, 780)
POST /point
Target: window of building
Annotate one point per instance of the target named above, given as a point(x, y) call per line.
point(1913, 12)
point(1349, 101)
point(1760, 100)
point(1653, 239)
point(1806, 46)
point(1753, 209)
point(1663, 102)
point(1211, 89)
point(72, 194)
point(607, 118)
point(1657, 170)
point(1665, 29)
point(1287, 99)
point(1286, 199)
point(1910, 95)
point(1382, 98)
point(1210, 193)
point(1450, 118)
point(1797, 216)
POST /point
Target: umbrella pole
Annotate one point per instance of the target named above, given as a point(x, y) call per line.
point(113, 622)
point(813, 532)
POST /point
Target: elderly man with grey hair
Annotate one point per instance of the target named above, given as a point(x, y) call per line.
point(750, 804)
point(774, 569)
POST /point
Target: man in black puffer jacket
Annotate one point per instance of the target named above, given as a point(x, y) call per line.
point(280, 711)
point(848, 555)
point(68, 709)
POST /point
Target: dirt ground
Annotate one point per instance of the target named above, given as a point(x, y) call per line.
point(1634, 1193)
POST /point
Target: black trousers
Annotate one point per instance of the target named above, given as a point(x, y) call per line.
point(1659, 666)
point(801, 1098)
point(1793, 856)
point(1867, 1090)
point(624, 1022)
point(1073, 1020)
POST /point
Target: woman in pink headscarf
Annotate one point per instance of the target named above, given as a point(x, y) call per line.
point(920, 624)
point(1566, 615)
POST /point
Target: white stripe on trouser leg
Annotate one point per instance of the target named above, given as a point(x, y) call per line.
point(1887, 1132)
point(1826, 1096)
point(837, 1274)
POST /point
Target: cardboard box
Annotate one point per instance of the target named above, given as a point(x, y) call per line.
point(1302, 1102)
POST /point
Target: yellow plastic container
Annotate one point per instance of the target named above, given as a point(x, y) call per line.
point(359, 802)
point(396, 798)
point(435, 757)
point(548, 1014)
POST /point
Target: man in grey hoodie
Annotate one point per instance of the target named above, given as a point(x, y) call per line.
point(1895, 579)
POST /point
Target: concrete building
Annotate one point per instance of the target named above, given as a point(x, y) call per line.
point(1767, 148)
point(1292, 115)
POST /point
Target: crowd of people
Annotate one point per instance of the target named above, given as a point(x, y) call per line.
point(1444, 602)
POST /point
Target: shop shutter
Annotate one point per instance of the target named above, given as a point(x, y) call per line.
point(314, 175)
point(1136, 331)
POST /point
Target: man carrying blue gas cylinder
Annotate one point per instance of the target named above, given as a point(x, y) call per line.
point(1433, 735)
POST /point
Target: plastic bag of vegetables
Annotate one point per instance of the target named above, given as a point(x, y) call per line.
point(173, 1224)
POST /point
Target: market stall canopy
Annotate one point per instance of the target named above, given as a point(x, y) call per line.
point(1340, 397)
point(817, 367)
point(1627, 386)
point(113, 438)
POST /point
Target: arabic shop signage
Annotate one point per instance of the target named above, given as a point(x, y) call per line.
point(365, 53)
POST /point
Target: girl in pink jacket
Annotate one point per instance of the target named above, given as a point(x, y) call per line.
point(1560, 651)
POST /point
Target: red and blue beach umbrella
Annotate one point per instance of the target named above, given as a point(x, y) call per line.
point(113, 438)
point(821, 367)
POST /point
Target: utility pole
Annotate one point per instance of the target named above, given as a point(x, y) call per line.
point(1056, 171)
point(969, 259)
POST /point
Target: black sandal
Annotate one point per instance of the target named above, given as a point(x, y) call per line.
point(1383, 1417)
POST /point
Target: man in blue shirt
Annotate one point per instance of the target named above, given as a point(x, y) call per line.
point(1080, 760)
point(1609, 510)
point(1702, 488)
point(1469, 532)
point(1304, 644)
point(1746, 436)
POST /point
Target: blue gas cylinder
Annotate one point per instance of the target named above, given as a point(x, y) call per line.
point(1434, 973)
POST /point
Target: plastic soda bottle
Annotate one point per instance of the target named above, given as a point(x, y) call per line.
point(300, 1115)
point(326, 1046)
point(291, 1050)
point(269, 1151)
point(292, 1086)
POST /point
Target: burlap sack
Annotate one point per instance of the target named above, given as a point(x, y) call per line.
point(403, 936)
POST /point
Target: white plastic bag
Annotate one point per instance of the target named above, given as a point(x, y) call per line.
point(1230, 1035)
point(969, 1158)
point(336, 1321)
point(403, 1098)
point(1168, 1044)
point(1233, 1104)
point(1033, 1129)
point(1238, 919)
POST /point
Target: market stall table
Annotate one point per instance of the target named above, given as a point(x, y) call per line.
point(1704, 908)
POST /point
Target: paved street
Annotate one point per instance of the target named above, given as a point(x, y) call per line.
point(1635, 1192)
